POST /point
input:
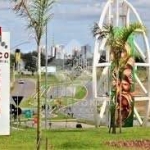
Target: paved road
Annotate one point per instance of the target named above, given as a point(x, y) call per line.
point(61, 90)
point(85, 109)
point(26, 89)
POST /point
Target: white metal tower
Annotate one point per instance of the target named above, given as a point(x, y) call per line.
point(119, 13)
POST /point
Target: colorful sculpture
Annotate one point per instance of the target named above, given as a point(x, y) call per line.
point(122, 86)
point(119, 42)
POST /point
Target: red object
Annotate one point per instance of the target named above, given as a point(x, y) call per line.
point(35, 120)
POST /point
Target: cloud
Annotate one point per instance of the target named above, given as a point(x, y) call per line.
point(88, 9)
point(4, 5)
point(72, 19)
point(142, 8)
point(141, 2)
point(75, 13)
point(77, 2)
point(77, 9)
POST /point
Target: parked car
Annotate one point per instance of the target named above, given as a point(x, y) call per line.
point(21, 81)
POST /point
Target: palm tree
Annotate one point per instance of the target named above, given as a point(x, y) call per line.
point(117, 37)
point(117, 41)
point(37, 14)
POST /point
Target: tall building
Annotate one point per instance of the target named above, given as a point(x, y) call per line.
point(86, 51)
point(57, 51)
point(53, 51)
point(75, 52)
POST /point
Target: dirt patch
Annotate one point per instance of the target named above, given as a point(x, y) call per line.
point(138, 144)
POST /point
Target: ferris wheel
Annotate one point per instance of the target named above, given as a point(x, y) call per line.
point(120, 13)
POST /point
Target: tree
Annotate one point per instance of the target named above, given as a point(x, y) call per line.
point(120, 44)
point(37, 14)
point(30, 60)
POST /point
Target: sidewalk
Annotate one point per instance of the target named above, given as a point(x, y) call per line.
point(58, 124)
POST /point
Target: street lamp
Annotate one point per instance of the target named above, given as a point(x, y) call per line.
point(22, 43)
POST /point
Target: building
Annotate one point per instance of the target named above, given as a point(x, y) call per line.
point(86, 51)
point(57, 51)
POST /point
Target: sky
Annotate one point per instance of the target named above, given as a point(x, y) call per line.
point(72, 20)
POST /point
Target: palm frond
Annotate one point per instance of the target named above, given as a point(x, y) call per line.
point(100, 33)
point(37, 13)
point(18, 6)
point(117, 37)
point(123, 34)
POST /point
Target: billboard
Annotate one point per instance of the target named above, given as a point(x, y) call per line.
point(4, 83)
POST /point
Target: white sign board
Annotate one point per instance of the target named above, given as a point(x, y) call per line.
point(50, 69)
point(5, 84)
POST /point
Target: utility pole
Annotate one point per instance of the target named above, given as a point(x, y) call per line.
point(46, 106)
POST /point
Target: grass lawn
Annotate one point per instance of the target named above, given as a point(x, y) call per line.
point(72, 139)
point(80, 92)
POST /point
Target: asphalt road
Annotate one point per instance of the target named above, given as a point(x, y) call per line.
point(26, 89)
point(85, 109)
point(60, 91)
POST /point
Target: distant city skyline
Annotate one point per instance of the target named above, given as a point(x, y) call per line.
point(72, 48)
point(72, 20)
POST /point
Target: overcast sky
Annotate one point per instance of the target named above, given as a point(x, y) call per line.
point(73, 19)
